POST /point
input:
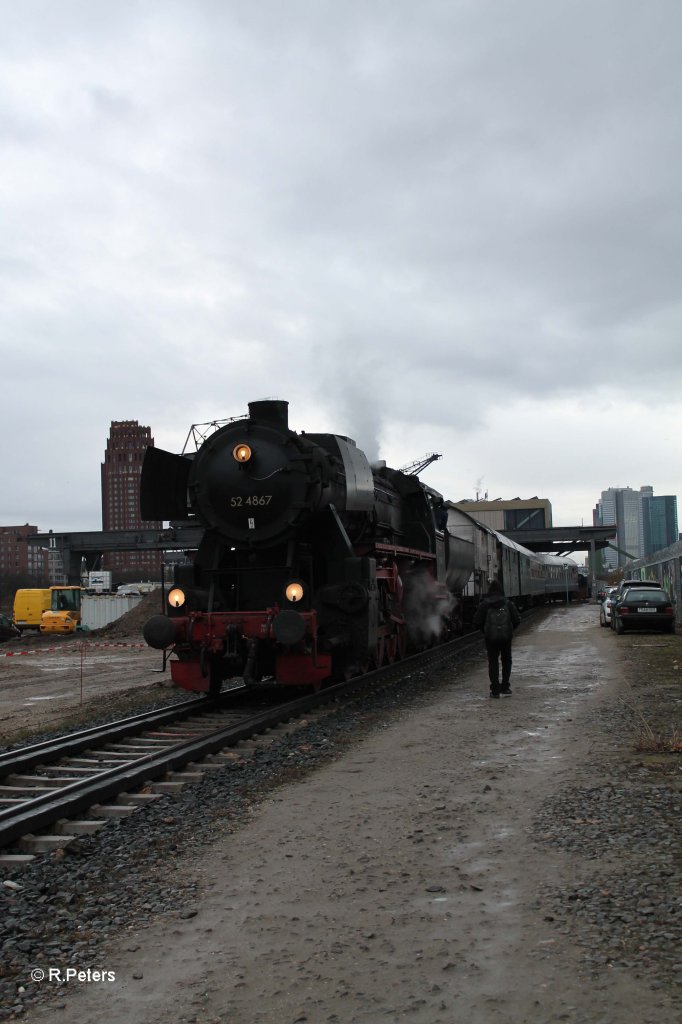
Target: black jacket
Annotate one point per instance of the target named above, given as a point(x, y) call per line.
point(495, 601)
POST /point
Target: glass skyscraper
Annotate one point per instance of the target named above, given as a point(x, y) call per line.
point(644, 523)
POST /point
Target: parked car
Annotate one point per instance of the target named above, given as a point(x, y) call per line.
point(606, 606)
point(7, 629)
point(643, 608)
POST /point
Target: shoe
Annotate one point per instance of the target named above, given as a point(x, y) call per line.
point(495, 693)
point(506, 690)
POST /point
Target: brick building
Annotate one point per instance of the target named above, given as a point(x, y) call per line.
point(121, 471)
point(17, 558)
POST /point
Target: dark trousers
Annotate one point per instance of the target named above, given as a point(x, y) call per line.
point(496, 652)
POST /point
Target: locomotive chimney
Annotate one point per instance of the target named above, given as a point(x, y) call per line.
point(270, 411)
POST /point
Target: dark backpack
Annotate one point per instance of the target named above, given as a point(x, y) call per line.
point(498, 624)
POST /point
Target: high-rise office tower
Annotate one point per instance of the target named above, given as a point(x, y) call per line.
point(121, 471)
point(644, 522)
point(659, 522)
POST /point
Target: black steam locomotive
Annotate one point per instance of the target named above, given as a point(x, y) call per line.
point(314, 565)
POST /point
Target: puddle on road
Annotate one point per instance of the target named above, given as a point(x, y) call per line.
point(71, 662)
point(564, 620)
point(51, 696)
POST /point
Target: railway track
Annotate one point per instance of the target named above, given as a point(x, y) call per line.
point(52, 784)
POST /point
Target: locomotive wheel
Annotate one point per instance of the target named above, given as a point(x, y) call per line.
point(358, 668)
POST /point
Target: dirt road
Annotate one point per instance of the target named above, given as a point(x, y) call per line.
point(419, 877)
point(44, 683)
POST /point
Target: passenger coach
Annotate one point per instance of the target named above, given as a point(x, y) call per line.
point(528, 577)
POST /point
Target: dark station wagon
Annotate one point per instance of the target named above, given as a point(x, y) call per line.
point(643, 608)
point(640, 584)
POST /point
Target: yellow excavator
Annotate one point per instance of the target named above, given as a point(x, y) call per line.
point(50, 609)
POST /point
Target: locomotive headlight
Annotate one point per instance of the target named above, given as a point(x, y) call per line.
point(241, 453)
point(294, 591)
point(176, 598)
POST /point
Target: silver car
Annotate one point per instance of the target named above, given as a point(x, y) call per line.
point(606, 606)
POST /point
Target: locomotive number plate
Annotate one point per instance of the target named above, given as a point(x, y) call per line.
point(252, 500)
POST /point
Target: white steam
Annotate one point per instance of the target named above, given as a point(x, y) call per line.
point(428, 607)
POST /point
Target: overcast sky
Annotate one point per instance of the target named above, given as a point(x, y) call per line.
point(444, 225)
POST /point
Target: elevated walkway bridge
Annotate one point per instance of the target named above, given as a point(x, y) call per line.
point(566, 540)
point(90, 546)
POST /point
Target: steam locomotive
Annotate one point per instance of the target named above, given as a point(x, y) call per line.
point(314, 565)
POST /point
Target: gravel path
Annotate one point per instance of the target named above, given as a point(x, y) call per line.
point(464, 859)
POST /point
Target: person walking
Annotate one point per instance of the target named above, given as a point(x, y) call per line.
point(497, 618)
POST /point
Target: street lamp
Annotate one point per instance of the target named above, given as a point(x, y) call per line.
point(566, 580)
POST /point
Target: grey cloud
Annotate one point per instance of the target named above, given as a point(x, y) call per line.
point(384, 210)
